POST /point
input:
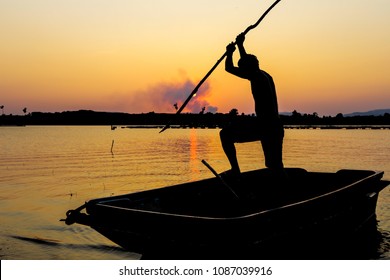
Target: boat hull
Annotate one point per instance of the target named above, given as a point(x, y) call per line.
point(203, 218)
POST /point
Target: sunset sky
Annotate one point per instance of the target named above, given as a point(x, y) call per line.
point(138, 56)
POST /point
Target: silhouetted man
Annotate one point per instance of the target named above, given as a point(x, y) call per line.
point(266, 126)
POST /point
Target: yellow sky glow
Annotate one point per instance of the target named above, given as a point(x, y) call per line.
point(325, 56)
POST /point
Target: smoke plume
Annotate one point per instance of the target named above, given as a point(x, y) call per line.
point(168, 97)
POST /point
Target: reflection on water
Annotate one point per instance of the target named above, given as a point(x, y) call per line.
point(55, 249)
point(383, 245)
point(369, 244)
point(46, 171)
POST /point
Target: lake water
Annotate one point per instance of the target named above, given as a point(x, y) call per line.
point(47, 170)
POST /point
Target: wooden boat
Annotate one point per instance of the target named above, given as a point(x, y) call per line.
point(308, 208)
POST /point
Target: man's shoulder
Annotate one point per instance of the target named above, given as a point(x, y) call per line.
point(265, 73)
point(267, 76)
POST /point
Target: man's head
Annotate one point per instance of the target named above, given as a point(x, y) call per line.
point(249, 63)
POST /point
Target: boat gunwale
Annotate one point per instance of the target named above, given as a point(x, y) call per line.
point(267, 211)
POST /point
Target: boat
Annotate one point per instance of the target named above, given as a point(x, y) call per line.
point(214, 217)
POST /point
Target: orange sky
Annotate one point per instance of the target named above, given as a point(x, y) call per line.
point(143, 55)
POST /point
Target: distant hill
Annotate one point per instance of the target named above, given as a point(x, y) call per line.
point(378, 112)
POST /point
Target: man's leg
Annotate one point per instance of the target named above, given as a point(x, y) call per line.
point(227, 141)
point(272, 148)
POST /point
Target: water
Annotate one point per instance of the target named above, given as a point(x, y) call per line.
point(46, 170)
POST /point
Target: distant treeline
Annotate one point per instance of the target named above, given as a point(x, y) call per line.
point(88, 117)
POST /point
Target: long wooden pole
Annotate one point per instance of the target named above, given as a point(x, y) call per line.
point(220, 178)
point(217, 63)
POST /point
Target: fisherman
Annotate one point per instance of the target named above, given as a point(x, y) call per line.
point(266, 126)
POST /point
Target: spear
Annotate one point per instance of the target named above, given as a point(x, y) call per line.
point(218, 62)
